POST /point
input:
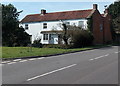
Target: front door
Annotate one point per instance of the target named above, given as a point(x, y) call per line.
point(51, 39)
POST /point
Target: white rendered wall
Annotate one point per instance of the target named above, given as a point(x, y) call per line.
point(35, 29)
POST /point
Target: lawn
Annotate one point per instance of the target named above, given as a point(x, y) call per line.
point(14, 52)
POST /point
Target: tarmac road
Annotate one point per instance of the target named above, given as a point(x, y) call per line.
point(98, 66)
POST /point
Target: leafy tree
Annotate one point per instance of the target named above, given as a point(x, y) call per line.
point(90, 24)
point(67, 31)
point(114, 11)
point(12, 34)
point(76, 36)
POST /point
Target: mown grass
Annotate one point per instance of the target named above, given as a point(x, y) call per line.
point(15, 52)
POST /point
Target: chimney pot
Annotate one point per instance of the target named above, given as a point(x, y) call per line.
point(95, 6)
point(43, 11)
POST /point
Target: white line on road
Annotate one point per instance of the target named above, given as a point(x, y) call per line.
point(11, 63)
point(23, 61)
point(117, 52)
point(99, 57)
point(107, 55)
point(5, 62)
point(51, 72)
point(41, 58)
point(17, 59)
point(32, 59)
point(91, 59)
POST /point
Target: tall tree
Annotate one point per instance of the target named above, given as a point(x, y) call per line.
point(11, 33)
point(114, 11)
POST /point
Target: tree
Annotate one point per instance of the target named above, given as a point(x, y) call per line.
point(65, 37)
point(12, 34)
point(114, 11)
point(76, 36)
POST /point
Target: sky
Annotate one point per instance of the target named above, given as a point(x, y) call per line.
point(35, 7)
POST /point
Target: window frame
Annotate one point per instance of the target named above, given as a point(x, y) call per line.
point(26, 27)
point(45, 36)
point(44, 25)
point(67, 23)
point(81, 25)
point(101, 27)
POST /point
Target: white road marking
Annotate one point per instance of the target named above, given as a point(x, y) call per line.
point(116, 52)
point(51, 72)
point(41, 58)
point(17, 59)
point(32, 59)
point(107, 55)
point(51, 57)
point(91, 59)
point(99, 57)
point(23, 61)
point(11, 63)
point(5, 62)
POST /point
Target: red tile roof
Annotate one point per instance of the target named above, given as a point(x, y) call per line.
point(57, 16)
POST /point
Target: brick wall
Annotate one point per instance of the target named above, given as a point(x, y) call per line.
point(107, 29)
point(101, 28)
point(97, 33)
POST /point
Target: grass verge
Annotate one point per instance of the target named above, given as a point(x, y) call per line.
point(15, 52)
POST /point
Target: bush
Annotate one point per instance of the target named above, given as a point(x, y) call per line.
point(37, 43)
point(82, 38)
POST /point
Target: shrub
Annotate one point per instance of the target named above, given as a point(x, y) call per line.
point(82, 38)
point(37, 43)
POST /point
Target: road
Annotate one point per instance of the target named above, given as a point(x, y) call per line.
point(98, 66)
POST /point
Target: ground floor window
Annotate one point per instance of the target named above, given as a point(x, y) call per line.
point(26, 26)
point(81, 24)
point(45, 36)
point(50, 36)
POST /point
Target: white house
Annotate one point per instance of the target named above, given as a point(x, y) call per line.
point(45, 25)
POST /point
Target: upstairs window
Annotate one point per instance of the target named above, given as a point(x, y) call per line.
point(81, 24)
point(45, 36)
point(26, 26)
point(44, 25)
point(67, 23)
point(101, 27)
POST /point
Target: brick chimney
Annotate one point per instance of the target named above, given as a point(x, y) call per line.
point(95, 6)
point(43, 11)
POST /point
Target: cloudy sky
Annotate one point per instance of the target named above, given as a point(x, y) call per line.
point(34, 7)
